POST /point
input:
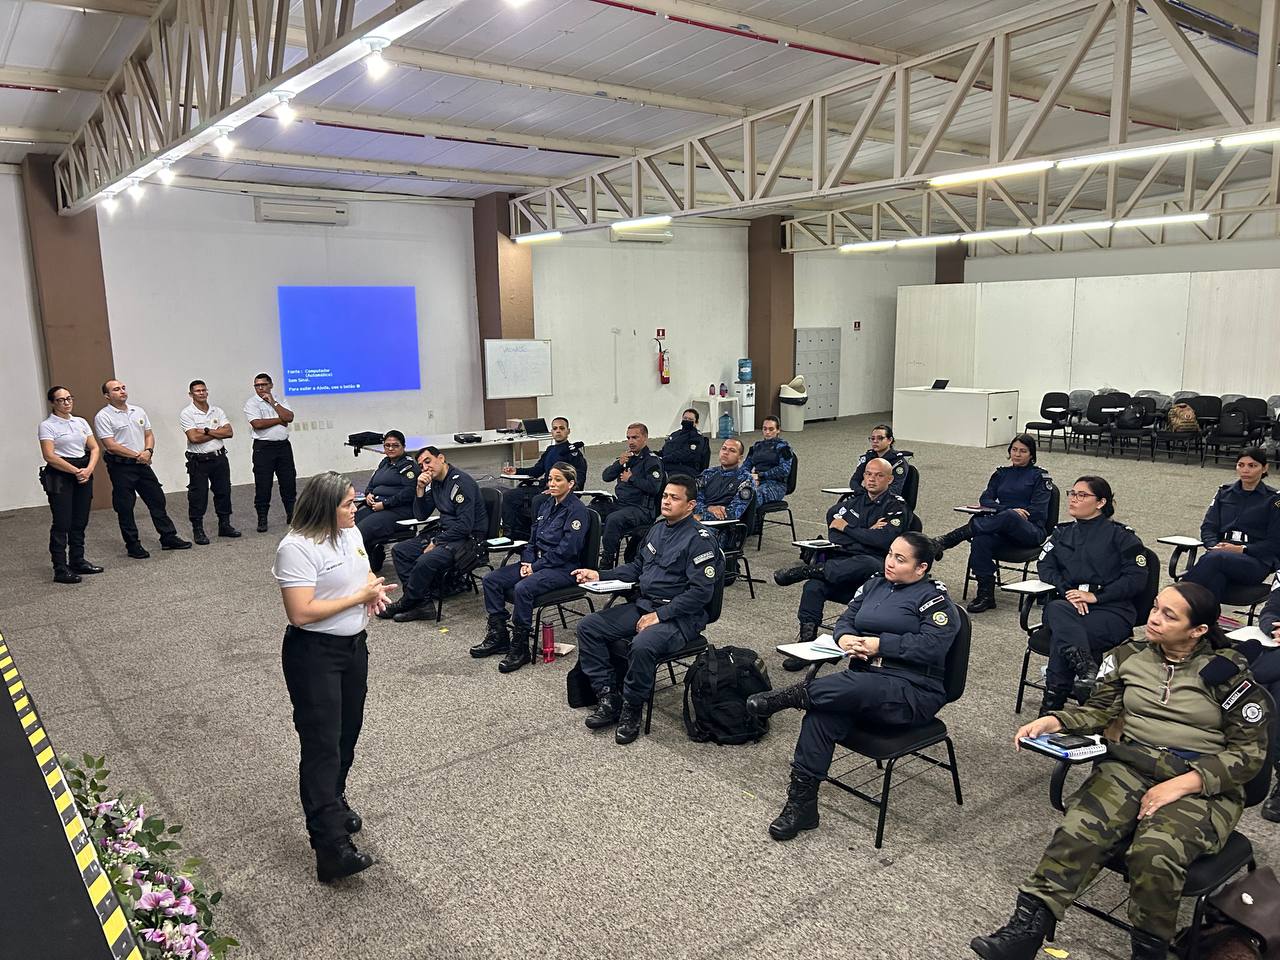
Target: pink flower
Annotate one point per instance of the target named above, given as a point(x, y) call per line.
point(183, 886)
point(183, 907)
point(202, 951)
point(155, 936)
point(104, 807)
point(157, 900)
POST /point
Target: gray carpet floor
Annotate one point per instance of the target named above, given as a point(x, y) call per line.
point(502, 827)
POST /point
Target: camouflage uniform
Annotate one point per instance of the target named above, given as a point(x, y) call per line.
point(1138, 684)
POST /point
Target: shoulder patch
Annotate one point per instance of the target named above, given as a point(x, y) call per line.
point(940, 618)
point(656, 472)
point(1251, 712)
point(1108, 666)
point(1220, 669)
point(1140, 559)
point(703, 532)
point(932, 602)
point(703, 558)
point(899, 468)
point(1236, 694)
point(575, 525)
point(651, 548)
point(745, 493)
point(709, 572)
point(895, 522)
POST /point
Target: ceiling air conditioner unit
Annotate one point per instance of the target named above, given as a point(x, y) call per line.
point(650, 235)
point(326, 212)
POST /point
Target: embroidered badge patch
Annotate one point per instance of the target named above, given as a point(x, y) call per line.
point(940, 618)
point(710, 572)
point(1251, 712)
point(1141, 560)
point(576, 525)
point(459, 499)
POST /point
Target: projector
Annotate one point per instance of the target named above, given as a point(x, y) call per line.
point(466, 438)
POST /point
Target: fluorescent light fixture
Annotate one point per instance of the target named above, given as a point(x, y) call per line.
point(868, 246)
point(137, 191)
point(224, 144)
point(640, 222)
point(285, 113)
point(1246, 139)
point(538, 237)
point(109, 204)
point(165, 175)
point(1053, 228)
point(375, 62)
point(1007, 234)
point(1137, 153)
point(1163, 220)
point(933, 241)
point(990, 173)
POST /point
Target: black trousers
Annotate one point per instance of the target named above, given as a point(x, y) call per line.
point(517, 511)
point(273, 458)
point(327, 677)
point(130, 480)
point(69, 501)
point(201, 476)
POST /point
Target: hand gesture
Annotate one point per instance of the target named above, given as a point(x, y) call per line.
point(648, 620)
point(83, 474)
point(586, 576)
point(368, 499)
point(1024, 514)
point(526, 569)
point(718, 512)
point(880, 524)
point(1036, 728)
point(1228, 547)
point(1167, 792)
point(1080, 599)
point(839, 523)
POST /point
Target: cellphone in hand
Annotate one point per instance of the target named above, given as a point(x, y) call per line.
point(1070, 741)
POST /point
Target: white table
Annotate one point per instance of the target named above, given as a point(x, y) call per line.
point(709, 409)
point(963, 416)
point(488, 456)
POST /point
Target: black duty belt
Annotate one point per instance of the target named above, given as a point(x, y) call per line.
point(114, 458)
point(206, 457)
point(273, 442)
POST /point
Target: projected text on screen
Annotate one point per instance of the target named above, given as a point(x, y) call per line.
point(327, 342)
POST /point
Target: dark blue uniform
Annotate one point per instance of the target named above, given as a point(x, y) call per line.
point(392, 484)
point(902, 686)
point(554, 551)
point(1105, 558)
point(770, 460)
point(635, 503)
point(730, 488)
point(422, 561)
point(1250, 518)
point(1266, 666)
point(896, 460)
point(859, 552)
point(685, 451)
point(1010, 488)
point(676, 569)
point(517, 504)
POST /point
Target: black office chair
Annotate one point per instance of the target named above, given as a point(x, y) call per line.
point(457, 580)
point(1205, 875)
point(1141, 432)
point(1247, 597)
point(1258, 412)
point(1208, 409)
point(887, 746)
point(781, 506)
point(1038, 635)
point(911, 487)
point(1019, 559)
point(1095, 424)
point(1055, 408)
point(1231, 434)
point(734, 544)
point(562, 597)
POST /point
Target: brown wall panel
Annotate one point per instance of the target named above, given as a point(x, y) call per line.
point(771, 338)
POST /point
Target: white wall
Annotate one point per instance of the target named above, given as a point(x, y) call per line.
point(191, 292)
point(834, 290)
point(21, 358)
point(584, 286)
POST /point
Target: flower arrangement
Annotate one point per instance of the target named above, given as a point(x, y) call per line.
point(168, 907)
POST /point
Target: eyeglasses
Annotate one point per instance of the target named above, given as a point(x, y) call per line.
point(63, 399)
point(1168, 679)
point(1079, 495)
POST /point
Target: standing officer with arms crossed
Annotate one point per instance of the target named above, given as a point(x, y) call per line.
point(125, 432)
point(272, 452)
point(206, 428)
point(676, 570)
point(71, 455)
point(517, 503)
point(638, 473)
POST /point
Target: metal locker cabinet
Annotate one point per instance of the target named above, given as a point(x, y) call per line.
point(818, 360)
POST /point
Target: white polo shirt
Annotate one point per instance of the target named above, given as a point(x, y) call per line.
point(255, 408)
point(333, 570)
point(193, 417)
point(128, 427)
point(67, 434)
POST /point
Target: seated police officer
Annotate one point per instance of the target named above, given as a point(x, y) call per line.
point(423, 562)
point(686, 450)
point(881, 440)
point(1266, 670)
point(388, 498)
point(546, 563)
point(1098, 568)
point(638, 473)
point(861, 525)
point(1017, 497)
point(769, 461)
point(724, 492)
point(896, 632)
point(517, 504)
point(676, 570)
point(1241, 529)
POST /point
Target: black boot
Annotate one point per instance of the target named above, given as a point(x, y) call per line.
point(424, 609)
point(1271, 806)
point(608, 706)
point(808, 633)
point(1147, 947)
point(175, 542)
point(64, 575)
point(84, 566)
point(801, 809)
point(377, 556)
point(801, 571)
point(518, 652)
point(1085, 669)
point(1020, 938)
point(198, 534)
point(262, 521)
point(225, 529)
point(354, 821)
point(794, 697)
point(629, 722)
point(136, 550)
point(952, 538)
point(496, 638)
point(391, 609)
point(338, 860)
point(986, 598)
point(1052, 701)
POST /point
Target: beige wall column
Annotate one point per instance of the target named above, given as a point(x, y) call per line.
point(771, 335)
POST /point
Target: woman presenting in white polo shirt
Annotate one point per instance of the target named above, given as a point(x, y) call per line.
point(70, 454)
point(328, 593)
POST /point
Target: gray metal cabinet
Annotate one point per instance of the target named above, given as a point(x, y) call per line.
point(818, 360)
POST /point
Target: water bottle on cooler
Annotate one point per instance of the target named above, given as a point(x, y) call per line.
point(548, 642)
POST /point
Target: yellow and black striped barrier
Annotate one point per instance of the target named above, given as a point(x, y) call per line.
point(109, 913)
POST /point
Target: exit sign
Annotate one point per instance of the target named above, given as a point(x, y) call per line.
point(662, 332)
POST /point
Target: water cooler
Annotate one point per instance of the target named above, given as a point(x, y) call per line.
point(745, 390)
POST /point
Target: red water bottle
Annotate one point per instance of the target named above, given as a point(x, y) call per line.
point(548, 642)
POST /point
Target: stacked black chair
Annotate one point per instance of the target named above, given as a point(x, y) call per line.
point(1018, 559)
point(1232, 433)
point(1182, 396)
point(1208, 409)
point(911, 487)
point(1139, 434)
point(780, 506)
point(733, 542)
point(1055, 408)
point(1094, 425)
point(1258, 412)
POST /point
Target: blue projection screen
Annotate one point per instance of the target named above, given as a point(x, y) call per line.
point(326, 342)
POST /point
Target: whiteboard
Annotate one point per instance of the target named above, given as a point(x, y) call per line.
point(517, 368)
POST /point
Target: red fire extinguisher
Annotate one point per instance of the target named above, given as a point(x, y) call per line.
point(664, 363)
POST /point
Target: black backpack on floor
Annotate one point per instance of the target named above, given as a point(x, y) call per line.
point(715, 696)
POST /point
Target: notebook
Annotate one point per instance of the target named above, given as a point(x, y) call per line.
point(1065, 746)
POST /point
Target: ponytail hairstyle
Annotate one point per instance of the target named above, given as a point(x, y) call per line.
point(1102, 490)
point(1204, 611)
point(921, 548)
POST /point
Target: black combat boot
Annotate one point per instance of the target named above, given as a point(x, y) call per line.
point(808, 633)
point(84, 566)
point(377, 556)
point(391, 609)
point(800, 812)
point(136, 550)
point(341, 859)
point(766, 704)
point(262, 521)
point(175, 542)
point(794, 574)
point(496, 638)
point(64, 575)
point(629, 722)
point(424, 609)
point(986, 598)
point(608, 706)
point(518, 652)
point(1020, 938)
point(952, 538)
point(354, 821)
point(198, 534)
point(1271, 806)
point(225, 529)
point(1053, 700)
point(1147, 947)
point(1085, 669)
